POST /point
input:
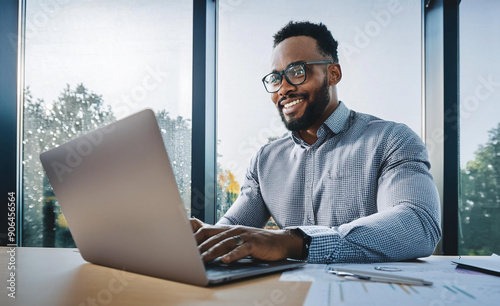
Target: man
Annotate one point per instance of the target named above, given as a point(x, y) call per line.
point(342, 186)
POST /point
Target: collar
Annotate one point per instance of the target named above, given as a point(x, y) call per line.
point(336, 123)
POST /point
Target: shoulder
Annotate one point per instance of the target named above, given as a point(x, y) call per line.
point(384, 137)
point(273, 148)
point(372, 126)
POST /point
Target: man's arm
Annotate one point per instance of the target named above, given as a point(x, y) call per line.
point(407, 224)
point(245, 219)
point(249, 208)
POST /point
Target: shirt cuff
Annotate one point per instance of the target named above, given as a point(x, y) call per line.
point(325, 242)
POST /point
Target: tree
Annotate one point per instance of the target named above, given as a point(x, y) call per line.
point(228, 190)
point(480, 206)
point(47, 125)
point(74, 113)
point(176, 135)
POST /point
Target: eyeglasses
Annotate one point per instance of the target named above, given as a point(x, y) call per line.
point(295, 74)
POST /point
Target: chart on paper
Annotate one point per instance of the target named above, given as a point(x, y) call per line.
point(451, 286)
point(366, 293)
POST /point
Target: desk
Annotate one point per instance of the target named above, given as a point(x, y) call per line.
point(46, 276)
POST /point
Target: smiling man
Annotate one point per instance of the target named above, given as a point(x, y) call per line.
point(342, 186)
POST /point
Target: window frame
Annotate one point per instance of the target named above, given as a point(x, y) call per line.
point(440, 84)
point(10, 52)
point(204, 128)
point(440, 30)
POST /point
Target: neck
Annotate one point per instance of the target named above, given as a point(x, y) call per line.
point(310, 135)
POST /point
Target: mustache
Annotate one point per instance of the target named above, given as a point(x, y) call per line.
point(291, 96)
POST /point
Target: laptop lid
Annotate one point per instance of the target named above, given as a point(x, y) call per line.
point(117, 191)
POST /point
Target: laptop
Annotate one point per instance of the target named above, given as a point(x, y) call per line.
point(118, 193)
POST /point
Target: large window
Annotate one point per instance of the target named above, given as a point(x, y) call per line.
point(479, 211)
point(379, 52)
point(88, 63)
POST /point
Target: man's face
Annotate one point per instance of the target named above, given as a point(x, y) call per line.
point(301, 106)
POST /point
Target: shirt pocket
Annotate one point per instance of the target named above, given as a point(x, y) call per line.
point(340, 195)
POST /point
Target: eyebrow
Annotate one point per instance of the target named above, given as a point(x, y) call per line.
point(291, 64)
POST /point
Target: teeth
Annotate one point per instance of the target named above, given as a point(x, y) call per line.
point(293, 103)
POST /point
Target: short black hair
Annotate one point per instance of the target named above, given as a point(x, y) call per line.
point(327, 45)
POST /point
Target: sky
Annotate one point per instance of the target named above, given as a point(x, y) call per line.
point(138, 54)
point(479, 74)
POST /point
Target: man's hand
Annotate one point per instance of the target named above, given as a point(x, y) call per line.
point(196, 224)
point(259, 243)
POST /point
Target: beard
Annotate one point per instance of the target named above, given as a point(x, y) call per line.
point(312, 112)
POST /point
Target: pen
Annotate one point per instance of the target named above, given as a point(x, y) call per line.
point(378, 277)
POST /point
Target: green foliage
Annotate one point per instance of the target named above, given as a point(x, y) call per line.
point(228, 190)
point(74, 113)
point(47, 125)
point(176, 133)
point(480, 205)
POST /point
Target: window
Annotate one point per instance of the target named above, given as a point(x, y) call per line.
point(89, 63)
point(379, 52)
point(479, 209)
point(122, 56)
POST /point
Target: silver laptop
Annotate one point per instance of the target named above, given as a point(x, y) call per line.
point(118, 193)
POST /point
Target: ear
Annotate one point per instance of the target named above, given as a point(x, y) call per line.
point(334, 74)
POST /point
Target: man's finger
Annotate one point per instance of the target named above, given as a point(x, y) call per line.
point(222, 248)
point(195, 224)
point(205, 233)
point(240, 252)
point(218, 237)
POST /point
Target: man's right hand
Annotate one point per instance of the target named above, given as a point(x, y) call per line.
point(196, 224)
point(219, 240)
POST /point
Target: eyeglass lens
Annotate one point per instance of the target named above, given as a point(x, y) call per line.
point(295, 75)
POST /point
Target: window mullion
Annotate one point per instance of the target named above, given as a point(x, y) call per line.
point(442, 109)
point(203, 186)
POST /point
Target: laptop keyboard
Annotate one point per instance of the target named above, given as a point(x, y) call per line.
point(218, 267)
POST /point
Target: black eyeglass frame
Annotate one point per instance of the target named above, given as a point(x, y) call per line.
point(282, 73)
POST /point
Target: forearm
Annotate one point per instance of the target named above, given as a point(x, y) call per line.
point(395, 235)
point(247, 210)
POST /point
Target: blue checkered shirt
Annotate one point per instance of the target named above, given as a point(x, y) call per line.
point(362, 191)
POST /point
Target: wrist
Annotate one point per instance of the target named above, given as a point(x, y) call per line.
point(300, 242)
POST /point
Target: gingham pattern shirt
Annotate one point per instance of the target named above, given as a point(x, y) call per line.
point(362, 191)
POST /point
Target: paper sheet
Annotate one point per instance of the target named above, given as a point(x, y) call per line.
point(365, 293)
point(451, 286)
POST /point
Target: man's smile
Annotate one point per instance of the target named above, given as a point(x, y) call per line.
point(291, 105)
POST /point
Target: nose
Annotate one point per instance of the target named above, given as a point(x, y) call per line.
point(286, 87)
